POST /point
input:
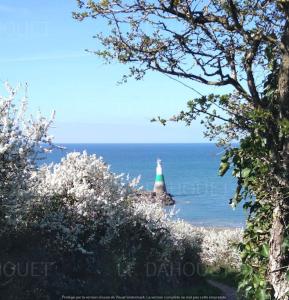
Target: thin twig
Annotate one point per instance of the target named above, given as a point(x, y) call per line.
point(184, 84)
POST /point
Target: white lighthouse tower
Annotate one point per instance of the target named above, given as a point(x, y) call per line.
point(159, 186)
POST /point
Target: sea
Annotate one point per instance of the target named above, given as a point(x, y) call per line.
point(190, 171)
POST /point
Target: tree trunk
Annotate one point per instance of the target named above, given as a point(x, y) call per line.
point(283, 81)
point(277, 271)
point(277, 259)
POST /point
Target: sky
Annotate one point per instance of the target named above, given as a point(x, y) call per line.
point(44, 46)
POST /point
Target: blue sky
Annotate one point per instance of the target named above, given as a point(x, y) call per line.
point(43, 46)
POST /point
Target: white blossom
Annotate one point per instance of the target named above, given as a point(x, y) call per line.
point(83, 184)
point(82, 203)
point(21, 142)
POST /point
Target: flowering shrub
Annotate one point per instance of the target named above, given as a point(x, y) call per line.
point(89, 223)
point(21, 142)
point(78, 191)
point(219, 247)
point(84, 210)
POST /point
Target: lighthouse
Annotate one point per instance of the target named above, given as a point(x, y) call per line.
point(159, 186)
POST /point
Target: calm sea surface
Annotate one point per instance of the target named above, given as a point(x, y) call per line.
point(191, 174)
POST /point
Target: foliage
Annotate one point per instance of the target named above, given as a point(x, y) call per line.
point(226, 275)
point(243, 45)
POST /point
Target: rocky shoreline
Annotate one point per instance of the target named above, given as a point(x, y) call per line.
point(165, 198)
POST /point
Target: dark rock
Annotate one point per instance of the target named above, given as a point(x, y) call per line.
point(165, 198)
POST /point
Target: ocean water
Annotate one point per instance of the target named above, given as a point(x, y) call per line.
point(191, 175)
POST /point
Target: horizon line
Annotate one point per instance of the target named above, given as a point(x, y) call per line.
point(140, 143)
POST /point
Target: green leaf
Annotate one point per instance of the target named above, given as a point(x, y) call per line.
point(247, 205)
point(245, 172)
point(265, 250)
point(224, 166)
point(261, 294)
point(225, 157)
point(262, 283)
point(247, 270)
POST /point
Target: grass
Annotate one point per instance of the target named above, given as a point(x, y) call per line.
point(223, 275)
point(227, 276)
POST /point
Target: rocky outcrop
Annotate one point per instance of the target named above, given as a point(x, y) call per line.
point(165, 198)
